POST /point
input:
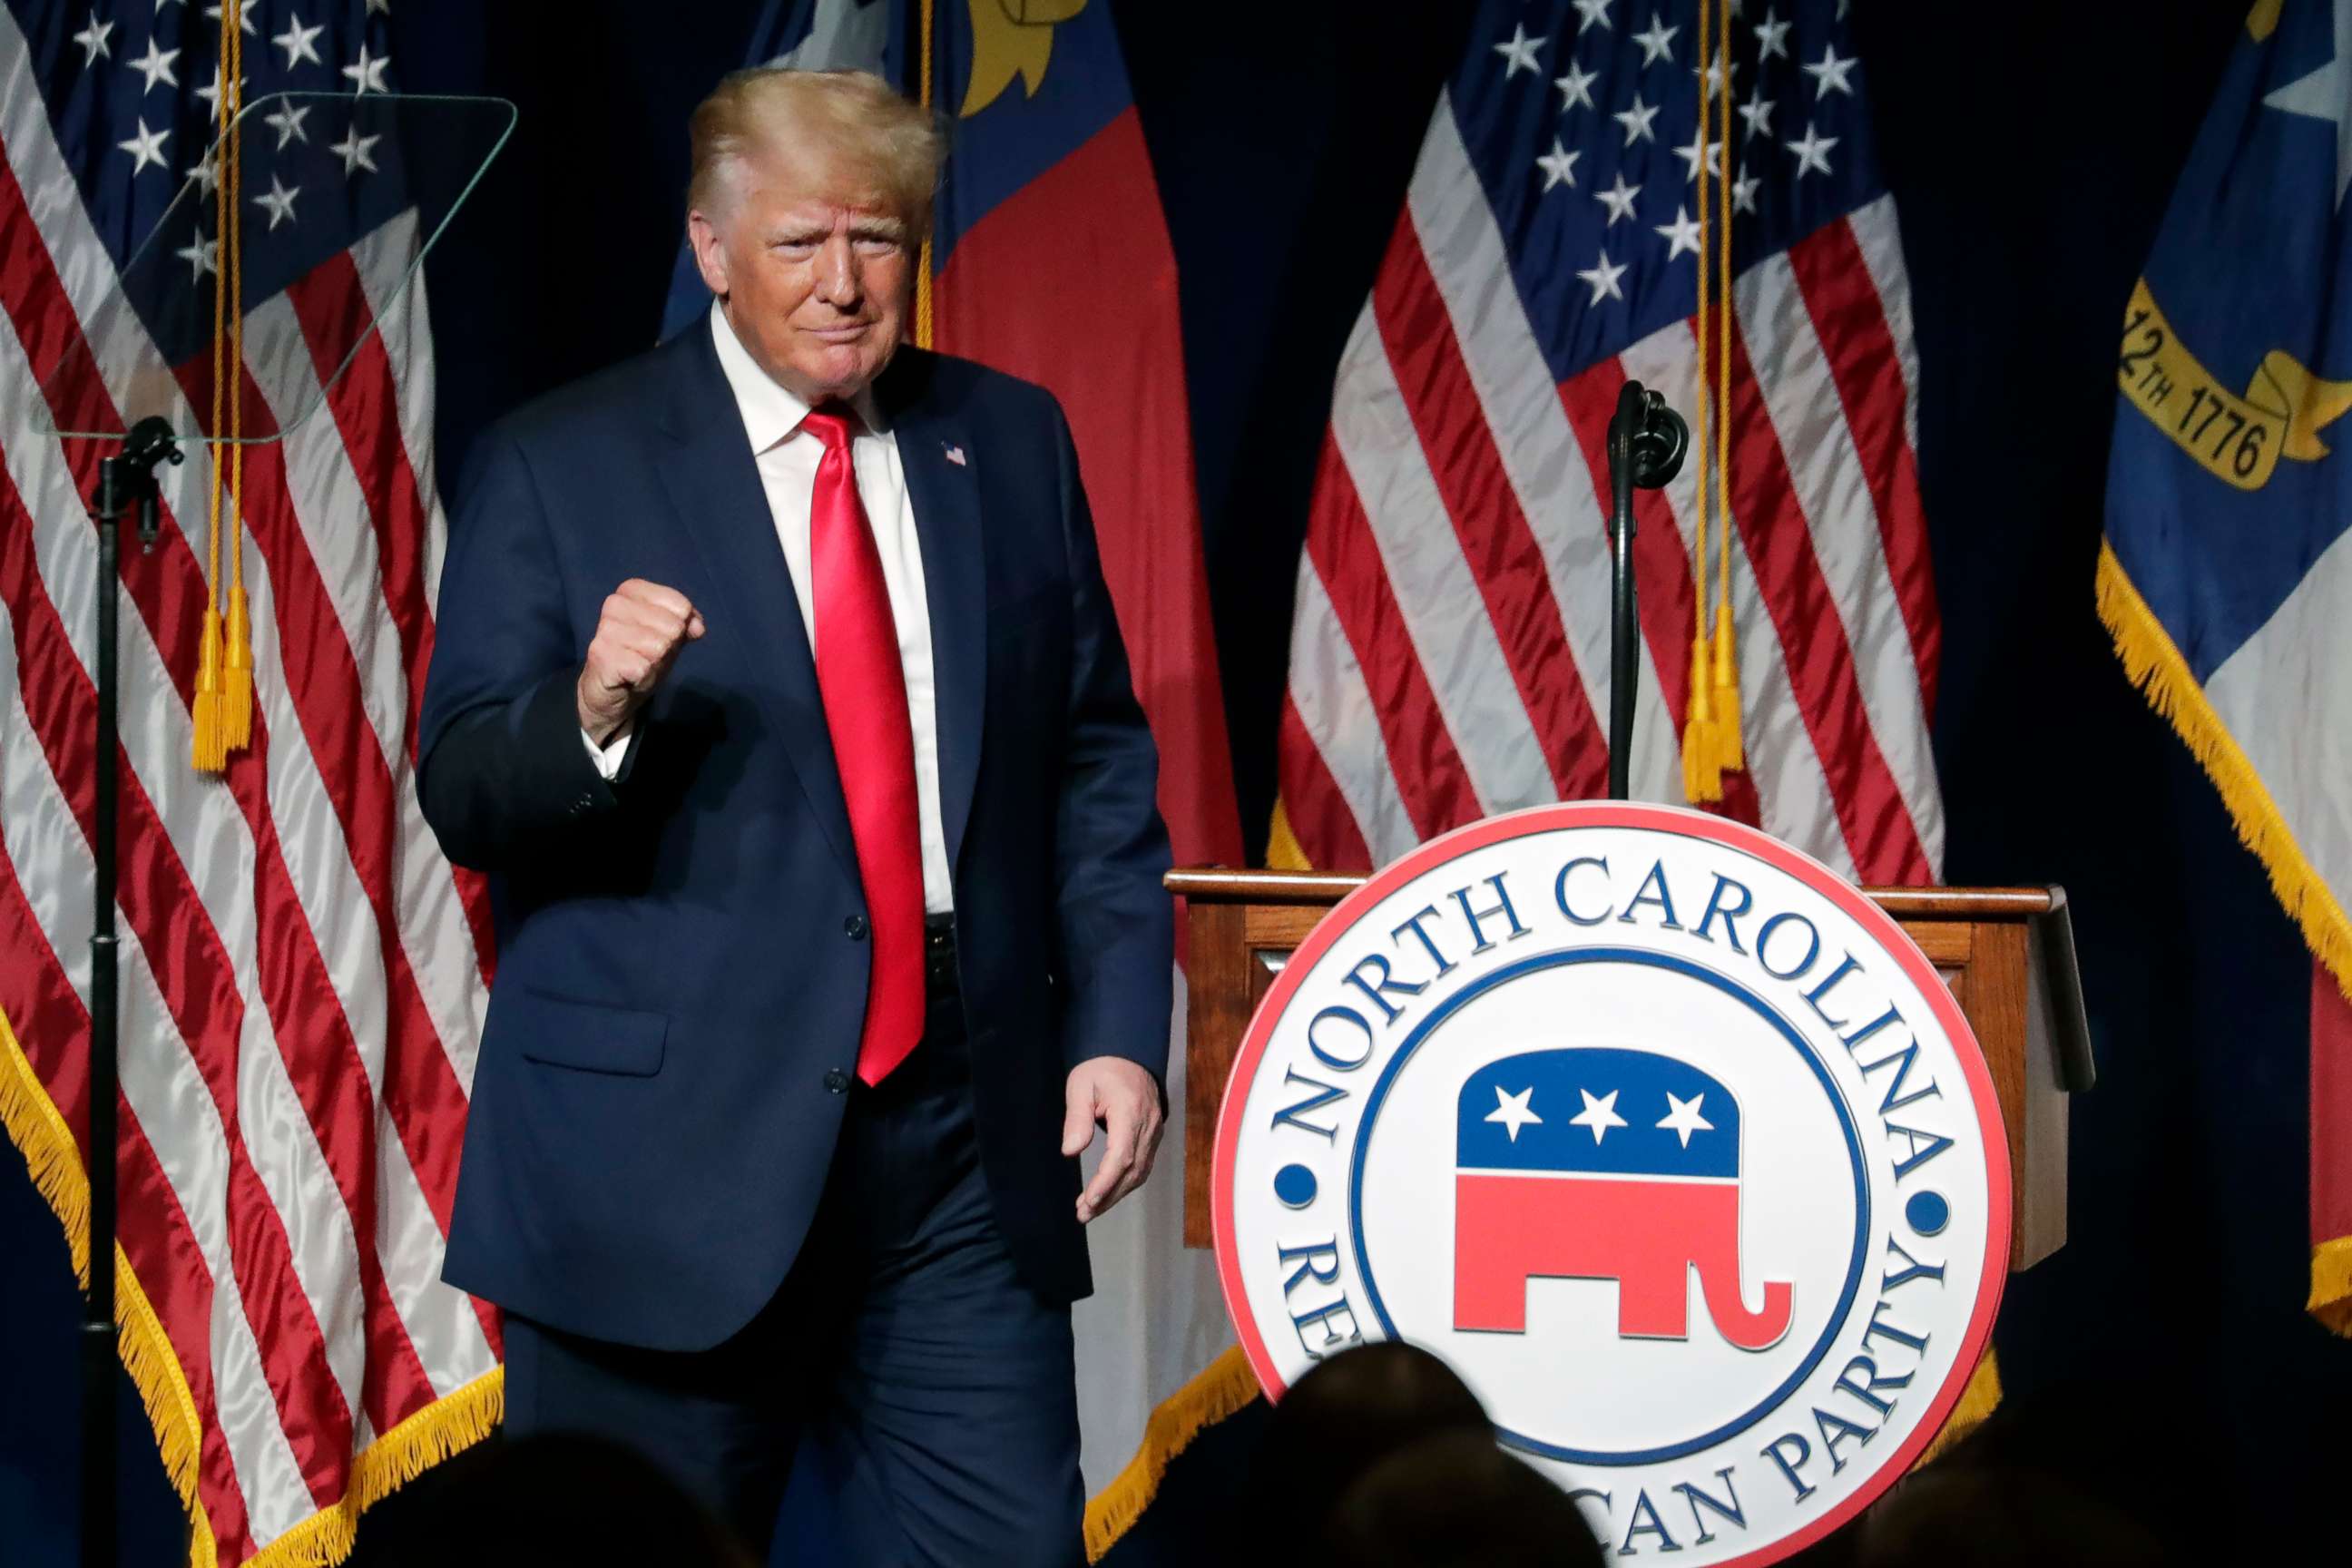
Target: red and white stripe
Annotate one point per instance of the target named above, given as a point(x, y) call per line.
point(1449, 652)
point(303, 973)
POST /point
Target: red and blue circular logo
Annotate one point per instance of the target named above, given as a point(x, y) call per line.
point(1661, 1133)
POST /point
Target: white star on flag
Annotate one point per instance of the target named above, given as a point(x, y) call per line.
point(1590, 14)
point(1812, 152)
point(1511, 1110)
point(1758, 112)
point(1743, 192)
point(1681, 233)
point(1603, 278)
point(1658, 42)
point(288, 122)
point(1683, 1116)
point(1636, 121)
point(212, 95)
point(1576, 87)
point(146, 147)
point(1688, 154)
point(1773, 36)
point(244, 16)
point(1830, 73)
point(1619, 199)
point(1599, 1114)
point(92, 40)
point(1519, 54)
point(368, 72)
point(155, 65)
point(1558, 165)
point(354, 150)
point(2322, 95)
point(202, 256)
point(296, 40)
point(279, 200)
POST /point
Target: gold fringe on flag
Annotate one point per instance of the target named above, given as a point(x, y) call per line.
point(2331, 1285)
point(1221, 1387)
point(452, 1423)
point(2153, 664)
point(1978, 1401)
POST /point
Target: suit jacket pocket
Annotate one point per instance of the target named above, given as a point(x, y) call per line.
point(586, 1035)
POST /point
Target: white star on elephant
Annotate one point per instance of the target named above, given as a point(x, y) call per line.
point(1511, 1110)
point(1683, 1116)
point(1599, 1114)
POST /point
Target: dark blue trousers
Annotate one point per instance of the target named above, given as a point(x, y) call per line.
point(904, 1398)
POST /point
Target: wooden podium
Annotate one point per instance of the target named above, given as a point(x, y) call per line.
point(2008, 955)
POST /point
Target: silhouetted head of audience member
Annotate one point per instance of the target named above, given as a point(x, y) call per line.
point(1967, 1516)
point(1342, 1418)
point(1457, 1500)
point(562, 1498)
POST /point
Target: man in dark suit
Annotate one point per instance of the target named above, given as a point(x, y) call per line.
point(778, 687)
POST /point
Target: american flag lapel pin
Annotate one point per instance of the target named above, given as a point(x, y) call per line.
point(955, 455)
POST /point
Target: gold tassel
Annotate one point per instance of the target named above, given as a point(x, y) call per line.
point(236, 676)
point(1702, 758)
point(1731, 750)
point(210, 754)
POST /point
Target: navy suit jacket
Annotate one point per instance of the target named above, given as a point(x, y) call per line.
point(682, 967)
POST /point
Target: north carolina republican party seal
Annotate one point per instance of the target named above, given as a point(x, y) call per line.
point(1661, 1133)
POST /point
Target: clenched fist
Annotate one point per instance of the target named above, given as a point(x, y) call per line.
point(637, 638)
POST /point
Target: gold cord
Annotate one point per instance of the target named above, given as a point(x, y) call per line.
point(236, 671)
point(923, 302)
point(1702, 770)
point(1731, 751)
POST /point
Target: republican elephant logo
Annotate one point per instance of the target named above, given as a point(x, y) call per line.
point(1603, 1163)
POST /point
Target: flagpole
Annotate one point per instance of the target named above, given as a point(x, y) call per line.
point(126, 484)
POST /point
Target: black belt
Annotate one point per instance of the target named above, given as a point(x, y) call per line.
point(939, 955)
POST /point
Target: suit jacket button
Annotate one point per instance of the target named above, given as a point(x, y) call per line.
point(836, 1081)
point(854, 928)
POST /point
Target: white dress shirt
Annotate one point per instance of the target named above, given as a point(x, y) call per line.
point(787, 456)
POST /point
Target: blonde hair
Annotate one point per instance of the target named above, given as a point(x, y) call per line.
point(851, 125)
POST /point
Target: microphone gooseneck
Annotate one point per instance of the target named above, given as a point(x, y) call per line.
point(1647, 443)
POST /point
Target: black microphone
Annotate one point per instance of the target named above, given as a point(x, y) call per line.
point(1647, 442)
point(1657, 436)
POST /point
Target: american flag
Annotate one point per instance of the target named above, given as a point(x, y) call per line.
point(302, 971)
point(1450, 648)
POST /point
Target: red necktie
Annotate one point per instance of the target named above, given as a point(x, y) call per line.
point(864, 692)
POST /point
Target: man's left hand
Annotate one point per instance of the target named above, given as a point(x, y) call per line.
point(1124, 1100)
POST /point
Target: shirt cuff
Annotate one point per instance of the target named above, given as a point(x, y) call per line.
point(609, 756)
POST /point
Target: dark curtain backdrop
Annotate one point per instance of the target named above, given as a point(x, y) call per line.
point(2162, 1357)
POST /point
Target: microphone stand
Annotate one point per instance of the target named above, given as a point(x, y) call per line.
point(126, 484)
point(1647, 443)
